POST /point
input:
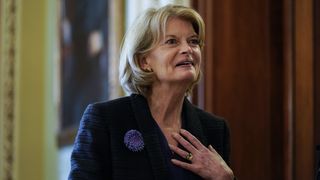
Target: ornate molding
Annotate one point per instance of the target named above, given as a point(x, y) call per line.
point(8, 59)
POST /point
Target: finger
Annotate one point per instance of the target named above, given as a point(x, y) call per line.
point(189, 147)
point(183, 165)
point(191, 138)
point(212, 149)
point(178, 151)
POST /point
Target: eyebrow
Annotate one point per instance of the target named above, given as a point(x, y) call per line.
point(191, 36)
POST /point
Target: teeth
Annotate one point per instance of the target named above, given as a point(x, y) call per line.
point(184, 63)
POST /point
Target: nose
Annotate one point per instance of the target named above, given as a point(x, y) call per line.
point(186, 48)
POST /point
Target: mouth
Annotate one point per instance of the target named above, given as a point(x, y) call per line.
point(185, 63)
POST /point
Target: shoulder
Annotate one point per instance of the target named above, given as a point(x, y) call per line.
point(119, 102)
point(103, 107)
point(99, 114)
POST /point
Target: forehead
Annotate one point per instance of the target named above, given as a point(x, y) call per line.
point(178, 26)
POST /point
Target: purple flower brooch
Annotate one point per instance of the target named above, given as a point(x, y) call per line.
point(133, 140)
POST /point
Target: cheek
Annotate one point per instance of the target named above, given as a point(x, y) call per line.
point(153, 60)
point(198, 57)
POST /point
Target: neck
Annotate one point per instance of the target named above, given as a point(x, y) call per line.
point(166, 105)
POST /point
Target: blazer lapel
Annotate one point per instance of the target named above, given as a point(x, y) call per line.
point(192, 122)
point(150, 135)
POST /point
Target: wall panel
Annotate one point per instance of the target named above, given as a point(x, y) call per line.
point(258, 74)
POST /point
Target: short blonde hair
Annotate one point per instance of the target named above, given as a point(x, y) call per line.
point(143, 36)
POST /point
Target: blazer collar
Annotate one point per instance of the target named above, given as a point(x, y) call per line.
point(147, 125)
point(150, 136)
point(192, 122)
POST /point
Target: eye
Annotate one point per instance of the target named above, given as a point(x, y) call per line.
point(194, 42)
point(171, 41)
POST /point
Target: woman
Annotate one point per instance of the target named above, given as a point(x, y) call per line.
point(155, 133)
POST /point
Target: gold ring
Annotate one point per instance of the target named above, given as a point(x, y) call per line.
point(189, 156)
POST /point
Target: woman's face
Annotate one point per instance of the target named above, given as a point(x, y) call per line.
point(177, 57)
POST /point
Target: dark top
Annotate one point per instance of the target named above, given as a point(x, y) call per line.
point(176, 173)
point(100, 152)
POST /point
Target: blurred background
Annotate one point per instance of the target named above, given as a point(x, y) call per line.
point(261, 72)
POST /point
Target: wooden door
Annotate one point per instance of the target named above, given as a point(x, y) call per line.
point(259, 74)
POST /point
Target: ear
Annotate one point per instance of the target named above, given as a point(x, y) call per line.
point(143, 63)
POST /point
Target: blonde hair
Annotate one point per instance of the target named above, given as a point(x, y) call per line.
point(143, 36)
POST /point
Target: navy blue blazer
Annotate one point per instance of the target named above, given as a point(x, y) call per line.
point(100, 153)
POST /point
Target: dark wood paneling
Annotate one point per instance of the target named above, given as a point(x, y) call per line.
point(317, 77)
point(317, 70)
point(243, 81)
point(262, 73)
point(304, 91)
point(288, 90)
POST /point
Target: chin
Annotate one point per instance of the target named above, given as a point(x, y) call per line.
point(188, 78)
point(191, 75)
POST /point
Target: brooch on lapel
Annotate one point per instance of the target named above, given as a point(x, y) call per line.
point(133, 140)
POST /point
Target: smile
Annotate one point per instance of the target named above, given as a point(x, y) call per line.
point(185, 63)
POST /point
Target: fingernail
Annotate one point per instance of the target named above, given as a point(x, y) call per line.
point(173, 160)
